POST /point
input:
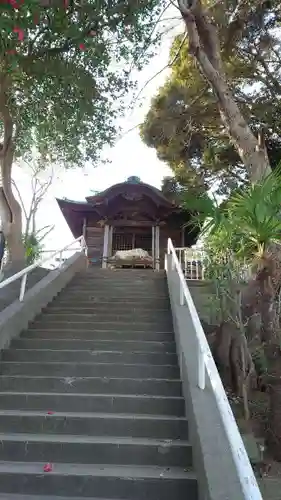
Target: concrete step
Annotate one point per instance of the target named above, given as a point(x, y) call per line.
point(119, 279)
point(104, 288)
point(104, 303)
point(94, 315)
point(116, 302)
point(129, 275)
point(118, 482)
point(110, 295)
point(94, 284)
point(104, 307)
point(61, 448)
point(135, 283)
point(94, 424)
point(99, 345)
point(72, 369)
point(83, 334)
point(105, 403)
point(14, 496)
point(115, 292)
point(148, 326)
point(89, 356)
point(91, 385)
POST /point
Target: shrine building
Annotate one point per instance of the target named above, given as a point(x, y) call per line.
point(127, 216)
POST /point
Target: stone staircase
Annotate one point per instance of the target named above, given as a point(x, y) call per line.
point(91, 393)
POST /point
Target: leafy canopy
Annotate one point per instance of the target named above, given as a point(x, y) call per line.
point(176, 189)
point(65, 68)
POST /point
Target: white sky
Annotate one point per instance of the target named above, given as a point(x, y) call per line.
point(129, 157)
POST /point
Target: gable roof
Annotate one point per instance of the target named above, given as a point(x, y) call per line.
point(131, 187)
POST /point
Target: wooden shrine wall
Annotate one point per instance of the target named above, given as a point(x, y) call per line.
point(94, 239)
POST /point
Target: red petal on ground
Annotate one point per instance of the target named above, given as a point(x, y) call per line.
point(48, 468)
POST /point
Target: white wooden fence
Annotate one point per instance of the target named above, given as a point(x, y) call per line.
point(192, 262)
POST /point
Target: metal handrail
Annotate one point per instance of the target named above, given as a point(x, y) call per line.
point(24, 272)
point(206, 362)
point(187, 257)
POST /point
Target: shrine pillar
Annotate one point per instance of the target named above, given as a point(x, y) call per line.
point(110, 240)
point(157, 248)
point(84, 234)
point(105, 246)
point(153, 245)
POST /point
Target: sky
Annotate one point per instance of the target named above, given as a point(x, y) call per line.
point(128, 157)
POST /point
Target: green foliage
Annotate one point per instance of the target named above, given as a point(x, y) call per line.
point(260, 361)
point(184, 124)
point(33, 244)
point(33, 248)
point(244, 225)
point(258, 211)
point(176, 190)
point(208, 214)
point(66, 79)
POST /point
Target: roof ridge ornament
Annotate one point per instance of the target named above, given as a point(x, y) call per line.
point(133, 179)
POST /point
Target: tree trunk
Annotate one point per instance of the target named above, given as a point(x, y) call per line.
point(204, 45)
point(10, 212)
point(234, 361)
point(274, 428)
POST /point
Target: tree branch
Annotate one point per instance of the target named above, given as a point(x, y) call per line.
point(151, 34)
point(20, 197)
point(172, 62)
point(242, 10)
point(169, 65)
point(238, 20)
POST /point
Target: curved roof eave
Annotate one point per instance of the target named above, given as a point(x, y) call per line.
point(76, 206)
point(156, 192)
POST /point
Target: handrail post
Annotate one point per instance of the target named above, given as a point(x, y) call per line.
point(197, 269)
point(22, 287)
point(181, 295)
point(180, 257)
point(84, 246)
